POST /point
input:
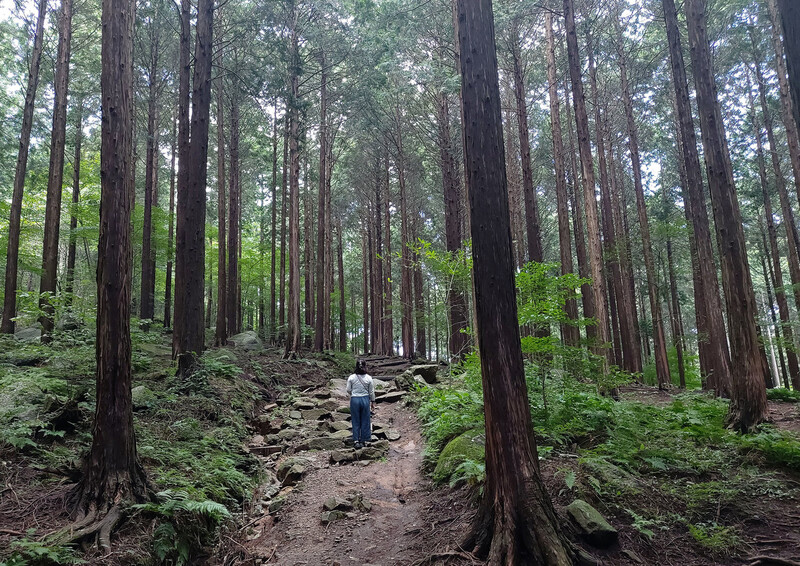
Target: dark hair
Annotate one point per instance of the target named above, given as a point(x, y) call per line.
point(361, 367)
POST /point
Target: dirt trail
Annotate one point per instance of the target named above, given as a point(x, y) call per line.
point(398, 530)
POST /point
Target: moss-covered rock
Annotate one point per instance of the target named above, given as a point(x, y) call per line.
point(467, 446)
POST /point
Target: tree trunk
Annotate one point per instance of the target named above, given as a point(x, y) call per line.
point(111, 472)
point(377, 218)
point(748, 396)
point(273, 225)
point(677, 331)
point(789, 122)
point(294, 330)
point(780, 294)
point(792, 239)
point(573, 175)
point(421, 344)
point(406, 277)
point(516, 523)
point(570, 333)
point(387, 279)
point(319, 325)
point(619, 297)
point(790, 17)
point(233, 309)
point(221, 331)
point(365, 288)
point(76, 198)
point(190, 254)
point(532, 229)
point(284, 209)
point(769, 280)
point(342, 303)
point(12, 253)
point(152, 154)
point(308, 257)
point(589, 200)
point(712, 343)
point(659, 338)
point(52, 219)
point(170, 235)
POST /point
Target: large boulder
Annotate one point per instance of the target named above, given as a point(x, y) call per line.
point(591, 524)
point(28, 334)
point(467, 446)
point(428, 372)
point(142, 398)
point(247, 340)
point(326, 442)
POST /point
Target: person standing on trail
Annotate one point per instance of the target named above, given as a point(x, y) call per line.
point(361, 389)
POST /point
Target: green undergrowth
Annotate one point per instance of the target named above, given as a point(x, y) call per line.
point(653, 467)
point(190, 435)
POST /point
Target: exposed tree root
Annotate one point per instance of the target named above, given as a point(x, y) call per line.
point(436, 556)
point(771, 561)
point(93, 526)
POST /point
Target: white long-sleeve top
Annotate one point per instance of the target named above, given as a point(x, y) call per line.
point(356, 389)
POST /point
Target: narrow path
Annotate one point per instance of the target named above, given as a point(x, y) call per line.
point(391, 532)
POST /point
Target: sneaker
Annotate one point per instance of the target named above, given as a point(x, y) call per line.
point(358, 445)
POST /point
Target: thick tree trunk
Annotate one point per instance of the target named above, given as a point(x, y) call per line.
point(516, 523)
point(659, 338)
point(190, 256)
point(221, 331)
point(76, 198)
point(787, 105)
point(170, 234)
point(12, 252)
point(748, 396)
point(790, 18)
point(532, 229)
point(570, 333)
point(111, 472)
point(52, 219)
point(294, 331)
point(713, 345)
point(184, 100)
point(273, 225)
point(365, 287)
point(589, 200)
point(234, 307)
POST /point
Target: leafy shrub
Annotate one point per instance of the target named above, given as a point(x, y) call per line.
point(717, 539)
point(28, 552)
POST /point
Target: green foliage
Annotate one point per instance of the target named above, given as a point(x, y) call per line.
point(778, 448)
point(185, 525)
point(470, 472)
point(26, 551)
point(690, 365)
point(717, 539)
point(783, 394)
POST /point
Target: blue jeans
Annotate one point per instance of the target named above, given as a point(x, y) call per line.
point(359, 415)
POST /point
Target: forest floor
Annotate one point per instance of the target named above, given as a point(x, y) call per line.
point(265, 437)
